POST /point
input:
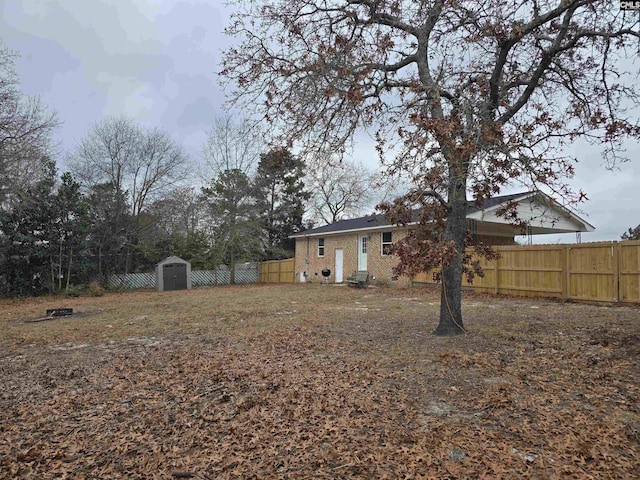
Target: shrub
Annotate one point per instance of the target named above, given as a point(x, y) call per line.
point(93, 289)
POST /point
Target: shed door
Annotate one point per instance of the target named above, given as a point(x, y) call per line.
point(175, 276)
point(363, 245)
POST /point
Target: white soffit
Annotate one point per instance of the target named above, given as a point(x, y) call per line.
point(544, 214)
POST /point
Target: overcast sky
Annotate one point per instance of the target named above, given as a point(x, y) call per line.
point(156, 61)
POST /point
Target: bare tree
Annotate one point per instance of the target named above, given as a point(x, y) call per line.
point(144, 163)
point(160, 165)
point(25, 132)
point(231, 153)
point(232, 145)
point(137, 164)
point(106, 154)
point(338, 189)
point(180, 212)
point(474, 95)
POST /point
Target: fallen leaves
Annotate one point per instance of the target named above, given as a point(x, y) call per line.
point(363, 397)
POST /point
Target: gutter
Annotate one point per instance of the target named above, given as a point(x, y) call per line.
point(352, 230)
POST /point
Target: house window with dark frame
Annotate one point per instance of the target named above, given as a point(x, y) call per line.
point(321, 247)
point(387, 243)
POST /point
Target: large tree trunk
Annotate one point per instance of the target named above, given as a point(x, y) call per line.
point(100, 260)
point(69, 270)
point(451, 292)
point(60, 267)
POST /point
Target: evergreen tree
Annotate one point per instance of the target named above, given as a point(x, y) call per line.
point(25, 237)
point(42, 237)
point(279, 190)
point(632, 234)
point(68, 234)
point(233, 212)
point(178, 219)
point(192, 246)
point(111, 229)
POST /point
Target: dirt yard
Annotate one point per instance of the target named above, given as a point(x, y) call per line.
point(297, 382)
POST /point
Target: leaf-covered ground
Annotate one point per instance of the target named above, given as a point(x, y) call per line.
point(298, 382)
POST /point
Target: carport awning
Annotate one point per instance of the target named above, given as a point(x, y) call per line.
point(506, 230)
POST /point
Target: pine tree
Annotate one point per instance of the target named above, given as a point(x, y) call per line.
point(233, 211)
point(111, 229)
point(281, 196)
point(69, 229)
point(632, 234)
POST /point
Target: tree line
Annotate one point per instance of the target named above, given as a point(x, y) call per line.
point(127, 199)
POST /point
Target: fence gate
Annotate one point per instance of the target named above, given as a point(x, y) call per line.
point(277, 271)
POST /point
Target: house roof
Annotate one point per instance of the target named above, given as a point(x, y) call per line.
point(484, 214)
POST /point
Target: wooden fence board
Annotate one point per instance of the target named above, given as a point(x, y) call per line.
point(604, 271)
point(591, 272)
point(277, 271)
point(629, 271)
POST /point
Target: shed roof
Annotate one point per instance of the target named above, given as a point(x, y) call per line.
point(172, 259)
point(484, 213)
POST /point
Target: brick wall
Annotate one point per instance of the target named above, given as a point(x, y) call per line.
point(307, 251)
point(379, 265)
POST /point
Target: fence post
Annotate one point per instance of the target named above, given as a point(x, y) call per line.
point(615, 252)
point(566, 274)
point(496, 287)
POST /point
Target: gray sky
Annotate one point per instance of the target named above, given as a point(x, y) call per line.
point(156, 61)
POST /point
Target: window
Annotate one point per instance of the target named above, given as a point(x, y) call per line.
point(387, 243)
point(364, 242)
point(321, 247)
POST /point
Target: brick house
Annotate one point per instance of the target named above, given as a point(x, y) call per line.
point(363, 243)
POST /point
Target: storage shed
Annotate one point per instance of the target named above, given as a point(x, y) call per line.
point(173, 273)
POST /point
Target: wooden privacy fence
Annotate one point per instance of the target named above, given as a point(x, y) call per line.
point(602, 272)
point(277, 271)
